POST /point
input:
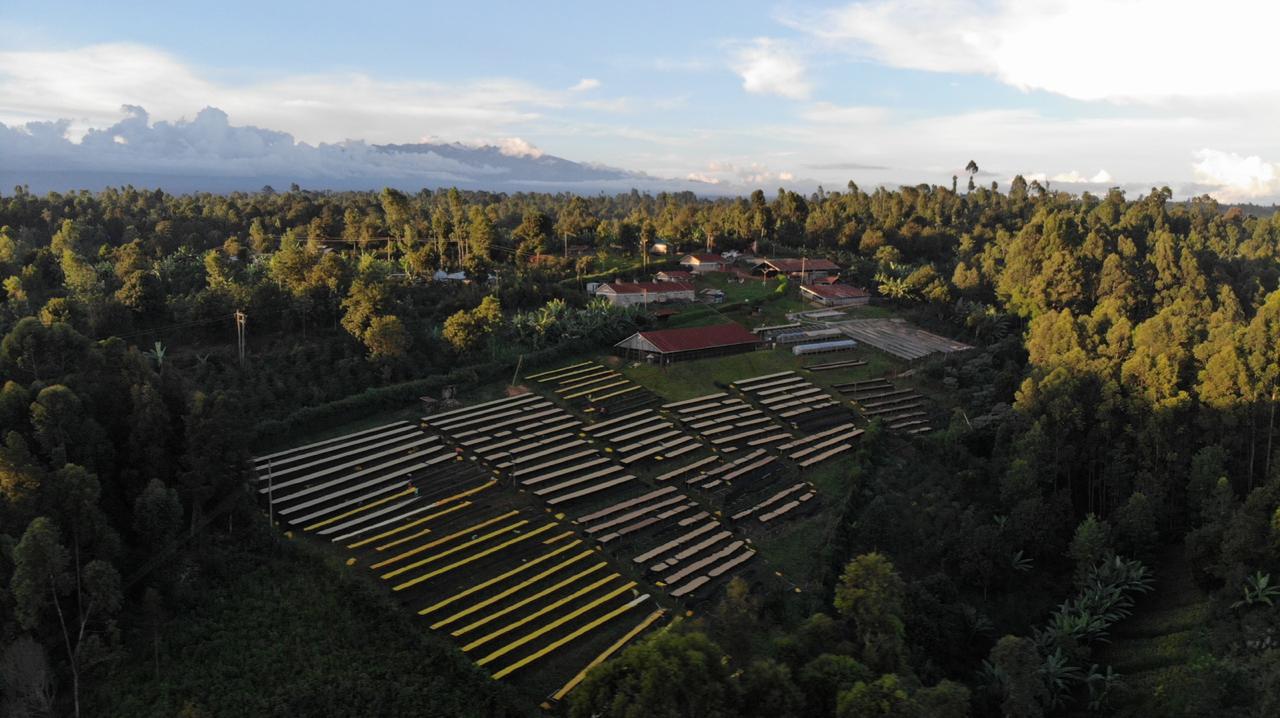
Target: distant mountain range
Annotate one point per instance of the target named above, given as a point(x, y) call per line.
point(520, 167)
point(208, 153)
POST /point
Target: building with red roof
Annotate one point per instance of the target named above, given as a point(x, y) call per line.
point(664, 346)
point(674, 275)
point(835, 295)
point(803, 268)
point(628, 293)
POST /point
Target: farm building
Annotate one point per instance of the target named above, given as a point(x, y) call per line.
point(670, 345)
point(674, 275)
point(703, 262)
point(625, 294)
point(805, 269)
point(836, 345)
point(713, 295)
point(660, 247)
point(835, 295)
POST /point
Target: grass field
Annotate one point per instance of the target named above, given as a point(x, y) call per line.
point(738, 291)
point(685, 380)
point(290, 631)
point(1155, 647)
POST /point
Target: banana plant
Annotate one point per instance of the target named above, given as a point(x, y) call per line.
point(157, 353)
point(1021, 563)
point(1060, 677)
point(1101, 683)
point(1258, 589)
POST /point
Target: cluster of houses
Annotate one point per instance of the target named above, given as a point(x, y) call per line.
point(819, 280)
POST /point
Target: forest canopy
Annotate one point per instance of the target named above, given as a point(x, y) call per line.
point(1116, 422)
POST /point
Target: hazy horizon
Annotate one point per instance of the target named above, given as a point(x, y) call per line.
point(713, 99)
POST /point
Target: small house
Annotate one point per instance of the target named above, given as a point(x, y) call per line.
point(703, 263)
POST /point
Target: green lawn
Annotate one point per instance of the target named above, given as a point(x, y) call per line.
point(685, 380)
point(694, 315)
point(735, 290)
point(796, 550)
point(411, 411)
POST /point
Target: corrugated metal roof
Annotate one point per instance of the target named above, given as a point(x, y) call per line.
point(642, 287)
point(688, 339)
point(818, 347)
point(835, 291)
point(802, 265)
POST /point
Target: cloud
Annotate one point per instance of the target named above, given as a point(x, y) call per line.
point(826, 112)
point(767, 66)
point(1074, 177)
point(585, 84)
point(1236, 178)
point(752, 174)
point(88, 85)
point(208, 152)
point(615, 105)
point(1120, 50)
point(845, 166)
point(50, 100)
point(518, 147)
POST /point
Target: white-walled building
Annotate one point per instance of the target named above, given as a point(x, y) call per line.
point(703, 262)
point(625, 294)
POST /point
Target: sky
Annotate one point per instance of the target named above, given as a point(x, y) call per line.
point(714, 96)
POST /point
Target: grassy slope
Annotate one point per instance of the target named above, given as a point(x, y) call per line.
point(292, 634)
point(794, 549)
point(1153, 648)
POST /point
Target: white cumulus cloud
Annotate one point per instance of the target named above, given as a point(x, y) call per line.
point(585, 84)
point(750, 174)
point(88, 85)
point(1126, 50)
point(768, 66)
point(1236, 178)
point(1074, 177)
point(518, 147)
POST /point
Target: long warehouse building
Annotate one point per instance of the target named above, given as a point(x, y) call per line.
point(670, 345)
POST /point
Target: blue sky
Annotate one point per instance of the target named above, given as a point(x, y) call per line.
point(1086, 94)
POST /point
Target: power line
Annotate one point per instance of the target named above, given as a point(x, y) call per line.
point(167, 327)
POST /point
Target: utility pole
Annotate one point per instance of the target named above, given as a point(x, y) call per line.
point(241, 320)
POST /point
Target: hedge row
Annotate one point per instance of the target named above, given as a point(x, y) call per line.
point(312, 419)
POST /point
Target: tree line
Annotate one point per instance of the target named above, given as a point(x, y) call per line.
point(1124, 387)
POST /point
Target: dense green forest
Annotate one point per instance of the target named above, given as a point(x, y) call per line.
point(1115, 425)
